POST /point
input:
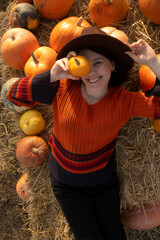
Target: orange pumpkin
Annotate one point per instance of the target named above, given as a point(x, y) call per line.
point(114, 32)
point(16, 45)
point(66, 30)
point(41, 60)
point(54, 9)
point(146, 77)
point(151, 10)
point(32, 151)
point(22, 187)
point(155, 123)
point(107, 12)
point(79, 66)
point(24, 15)
point(144, 218)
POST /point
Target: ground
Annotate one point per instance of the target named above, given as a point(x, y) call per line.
point(12, 214)
point(139, 183)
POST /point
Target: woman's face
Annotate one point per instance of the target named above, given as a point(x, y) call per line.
point(100, 73)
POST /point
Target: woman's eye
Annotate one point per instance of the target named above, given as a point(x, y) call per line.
point(97, 63)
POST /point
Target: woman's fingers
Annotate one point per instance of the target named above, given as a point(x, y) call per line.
point(63, 64)
point(71, 54)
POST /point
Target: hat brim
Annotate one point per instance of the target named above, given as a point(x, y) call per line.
point(111, 45)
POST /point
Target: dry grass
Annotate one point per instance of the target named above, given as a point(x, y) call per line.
point(138, 148)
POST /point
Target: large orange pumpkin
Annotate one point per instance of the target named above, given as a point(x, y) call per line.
point(114, 32)
point(32, 151)
point(16, 45)
point(24, 15)
point(151, 10)
point(144, 218)
point(41, 60)
point(66, 30)
point(22, 187)
point(54, 9)
point(107, 12)
point(146, 77)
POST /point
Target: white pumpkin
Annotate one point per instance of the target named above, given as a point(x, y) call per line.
point(8, 103)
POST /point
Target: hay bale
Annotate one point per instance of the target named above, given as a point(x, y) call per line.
point(137, 146)
point(138, 166)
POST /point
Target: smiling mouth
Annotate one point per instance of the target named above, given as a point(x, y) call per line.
point(94, 80)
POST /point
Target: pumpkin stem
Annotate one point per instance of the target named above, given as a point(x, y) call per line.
point(107, 2)
point(80, 20)
point(77, 61)
point(26, 122)
point(35, 150)
point(22, 192)
point(12, 37)
point(34, 58)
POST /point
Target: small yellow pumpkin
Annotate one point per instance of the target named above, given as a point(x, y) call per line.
point(79, 66)
point(32, 122)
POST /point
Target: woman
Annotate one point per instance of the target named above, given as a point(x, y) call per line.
point(88, 115)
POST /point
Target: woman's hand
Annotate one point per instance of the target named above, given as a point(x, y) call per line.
point(60, 69)
point(141, 52)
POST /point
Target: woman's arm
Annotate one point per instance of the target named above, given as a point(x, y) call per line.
point(142, 53)
point(41, 88)
point(32, 90)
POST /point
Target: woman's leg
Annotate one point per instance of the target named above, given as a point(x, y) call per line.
point(78, 210)
point(107, 208)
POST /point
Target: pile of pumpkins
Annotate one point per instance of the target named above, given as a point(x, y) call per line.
point(21, 50)
point(32, 150)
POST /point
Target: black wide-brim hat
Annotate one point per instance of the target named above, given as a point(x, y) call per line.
point(94, 38)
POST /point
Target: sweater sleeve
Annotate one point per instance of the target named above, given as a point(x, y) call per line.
point(155, 91)
point(136, 104)
point(32, 90)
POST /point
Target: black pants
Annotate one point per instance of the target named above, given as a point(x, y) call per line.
point(93, 213)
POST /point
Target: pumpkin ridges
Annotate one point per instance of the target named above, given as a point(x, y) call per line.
point(106, 15)
point(114, 32)
point(26, 156)
point(144, 218)
point(35, 122)
point(8, 103)
point(146, 77)
point(22, 187)
point(16, 52)
point(79, 66)
point(54, 9)
point(151, 10)
point(65, 31)
point(24, 15)
point(45, 57)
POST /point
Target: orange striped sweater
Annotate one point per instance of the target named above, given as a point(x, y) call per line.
point(84, 136)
